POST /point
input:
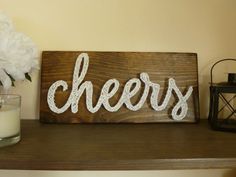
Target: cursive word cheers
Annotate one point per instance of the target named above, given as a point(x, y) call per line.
point(110, 88)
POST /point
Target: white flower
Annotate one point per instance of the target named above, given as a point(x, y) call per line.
point(5, 79)
point(18, 54)
point(5, 22)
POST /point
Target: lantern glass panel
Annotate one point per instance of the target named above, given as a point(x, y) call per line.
point(226, 110)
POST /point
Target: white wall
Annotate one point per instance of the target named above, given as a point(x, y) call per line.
point(207, 27)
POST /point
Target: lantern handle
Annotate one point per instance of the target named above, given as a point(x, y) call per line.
point(227, 59)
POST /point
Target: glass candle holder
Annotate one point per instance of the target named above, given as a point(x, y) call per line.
point(9, 119)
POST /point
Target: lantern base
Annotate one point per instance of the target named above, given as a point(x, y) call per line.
point(224, 125)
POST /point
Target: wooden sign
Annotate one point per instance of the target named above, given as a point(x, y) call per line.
point(118, 87)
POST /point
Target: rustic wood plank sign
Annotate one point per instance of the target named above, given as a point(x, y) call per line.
point(114, 87)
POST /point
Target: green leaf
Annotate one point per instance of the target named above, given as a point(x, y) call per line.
point(12, 80)
point(12, 84)
point(27, 76)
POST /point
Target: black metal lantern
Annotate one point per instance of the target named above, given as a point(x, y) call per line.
point(222, 114)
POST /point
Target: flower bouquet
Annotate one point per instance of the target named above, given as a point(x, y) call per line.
point(18, 54)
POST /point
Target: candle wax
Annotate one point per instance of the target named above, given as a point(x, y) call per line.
point(9, 121)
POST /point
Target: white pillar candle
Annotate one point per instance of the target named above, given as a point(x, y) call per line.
point(9, 121)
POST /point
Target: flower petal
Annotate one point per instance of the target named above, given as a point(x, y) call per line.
point(5, 22)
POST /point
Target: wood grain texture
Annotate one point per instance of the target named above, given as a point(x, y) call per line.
point(119, 147)
point(59, 65)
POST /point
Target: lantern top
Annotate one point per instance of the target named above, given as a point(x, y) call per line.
point(224, 84)
point(231, 76)
point(231, 81)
